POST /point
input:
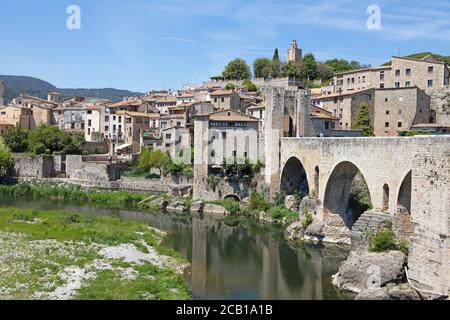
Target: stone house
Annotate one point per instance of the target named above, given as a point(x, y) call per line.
point(224, 100)
point(323, 122)
point(95, 124)
point(176, 140)
point(136, 124)
point(5, 125)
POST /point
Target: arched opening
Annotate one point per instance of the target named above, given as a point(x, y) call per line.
point(316, 180)
point(294, 179)
point(347, 194)
point(232, 197)
point(404, 195)
point(385, 197)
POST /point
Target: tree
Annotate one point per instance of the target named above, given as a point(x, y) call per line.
point(342, 65)
point(151, 159)
point(16, 139)
point(46, 139)
point(362, 119)
point(237, 69)
point(309, 70)
point(250, 86)
point(5, 157)
point(276, 64)
point(291, 69)
point(230, 86)
point(262, 68)
point(324, 71)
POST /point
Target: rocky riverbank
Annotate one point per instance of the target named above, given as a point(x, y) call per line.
point(61, 255)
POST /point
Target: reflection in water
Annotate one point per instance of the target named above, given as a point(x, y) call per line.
point(244, 262)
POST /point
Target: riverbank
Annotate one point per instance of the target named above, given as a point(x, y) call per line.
point(63, 255)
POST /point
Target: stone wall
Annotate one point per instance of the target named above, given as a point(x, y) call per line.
point(33, 166)
point(440, 103)
point(429, 258)
point(78, 169)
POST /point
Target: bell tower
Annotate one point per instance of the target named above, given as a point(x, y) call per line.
point(294, 54)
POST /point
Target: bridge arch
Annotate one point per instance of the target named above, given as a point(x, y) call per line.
point(404, 194)
point(386, 196)
point(341, 197)
point(232, 197)
point(294, 178)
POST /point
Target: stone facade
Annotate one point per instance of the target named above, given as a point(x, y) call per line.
point(294, 53)
point(77, 169)
point(33, 166)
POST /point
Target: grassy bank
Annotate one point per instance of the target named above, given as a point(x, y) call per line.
point(62, 255)
point(73, 194)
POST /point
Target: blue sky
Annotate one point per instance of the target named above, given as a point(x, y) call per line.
point(148, 44)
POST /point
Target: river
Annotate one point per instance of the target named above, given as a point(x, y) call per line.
point(248, 261)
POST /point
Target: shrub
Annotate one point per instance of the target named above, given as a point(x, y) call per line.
point(16, 139)
point(257, 202)
point(383, 241)
point(307, 219)
point(279, 198)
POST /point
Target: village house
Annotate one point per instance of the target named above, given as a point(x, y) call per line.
point(224, 100)
point(136, 126)
point(177, 140)
point(323, 122)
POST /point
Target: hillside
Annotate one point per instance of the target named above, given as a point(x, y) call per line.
point(15, 85)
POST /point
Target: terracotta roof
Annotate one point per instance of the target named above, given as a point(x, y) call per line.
point(221, 93)
point(346, 93)
point(138, 114)
point(230, 115)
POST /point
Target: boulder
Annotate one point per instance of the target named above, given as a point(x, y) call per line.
point(215, 209)
point(176, 206)
point(400, 292)
point(315, 229)
point(308, 203)
point(197, 206)
point(289, 202)
point(364, 270)
point(295, 231)
point(158, 203)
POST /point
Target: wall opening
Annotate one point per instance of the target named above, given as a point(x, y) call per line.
point(232, 197)
point(404, 195)
point(385, 197)
point(316, 180)
point(347, 194)
point(294, 179)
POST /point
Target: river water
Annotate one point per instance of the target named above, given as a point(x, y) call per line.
point(248, 261)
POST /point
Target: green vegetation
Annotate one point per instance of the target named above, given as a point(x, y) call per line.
point(257, 202)
point(116, 199)
point(230, 86)
point(156, 159)
point(307, 219)
point(363, 121)
point(230, 205)
point(262, 68)
point(55, 242)
point(385, 240)
point(237, 69)
point(422, 55)
point(16, 139)
point(5, 158)
point(342, 65)
point(250, 86)
point(412, 133)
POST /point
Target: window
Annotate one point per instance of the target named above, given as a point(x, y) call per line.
point(245, 155)
point(399, 124)
point(168, 136)
point(430, 83)
point(430, 70)
point(90, 112)
point(327, 125)
point(400, 111)
point(106, 128)
point(381, 85)
point(408, 84)
point(408, 72)
point(335, 100)
point(72, 125)
point(333, 125)
point(397, 84)
point(353, 80)
point(224, 135)
point(114, 118)
point(382, 76)
point(223, 99)
point(364, 79)
point(234, 153)
point(178, 124)
point(386, 99)
point(213, 153)
point(215, 100)
point(89, 123)
point(397, 73)
point(3, 113)
point(106, 118)
point(387, 112)
point(89, 131)
point(82, 125)
point(348, 80)
point(386, 124)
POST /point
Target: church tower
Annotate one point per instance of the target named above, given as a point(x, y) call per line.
point(294, 54)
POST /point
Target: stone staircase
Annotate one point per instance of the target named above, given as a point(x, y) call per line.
point(368, 223)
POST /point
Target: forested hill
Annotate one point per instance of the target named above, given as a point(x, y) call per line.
point(15, 85)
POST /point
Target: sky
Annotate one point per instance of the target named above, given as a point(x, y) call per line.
point(142, 45)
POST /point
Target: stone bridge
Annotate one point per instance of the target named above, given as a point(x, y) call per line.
point(403, 175)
